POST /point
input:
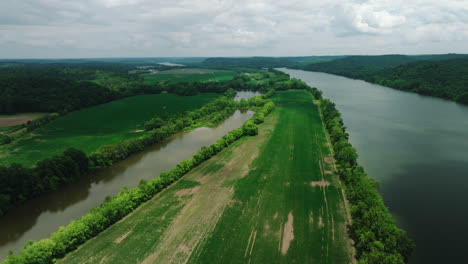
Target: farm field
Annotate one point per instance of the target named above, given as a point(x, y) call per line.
point(272, 198)
point(92, 127)
point(189, 75)
point(8, 122)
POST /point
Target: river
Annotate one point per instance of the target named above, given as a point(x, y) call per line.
point(39, 217)
point(417, 148)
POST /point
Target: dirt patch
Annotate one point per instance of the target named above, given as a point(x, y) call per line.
point(15, 120)
point(320, 222)
point(288, 234)
point(321, 183)
point(328, 159)
point(328, 172)
point(187, 191)
point(137, 131)
point(122, 237)
point(275, 216)
point(202, 179)
point(315, 102)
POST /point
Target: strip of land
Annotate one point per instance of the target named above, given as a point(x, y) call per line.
point(272, 198)
point(13, 120)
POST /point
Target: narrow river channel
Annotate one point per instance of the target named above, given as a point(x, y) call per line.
point(417, 148)
point(38, 218)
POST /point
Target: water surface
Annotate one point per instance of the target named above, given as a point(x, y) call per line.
point(245, 95)
point(417, 148)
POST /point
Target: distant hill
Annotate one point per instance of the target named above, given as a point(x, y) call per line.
point(359, 66)
point(250, 62)
point(314, 59)
point(444, 75)
point(446, 79)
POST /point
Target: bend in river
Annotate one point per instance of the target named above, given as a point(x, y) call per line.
point(38, 218)
point(417, 148)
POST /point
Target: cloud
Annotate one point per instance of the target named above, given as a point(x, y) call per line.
point(118, 28)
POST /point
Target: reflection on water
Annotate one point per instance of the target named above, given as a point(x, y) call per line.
point(43, 215)
point(245, 95)
point(417, 147)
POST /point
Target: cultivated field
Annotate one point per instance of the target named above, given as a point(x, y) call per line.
point(8, 122)
point(92, 127)
point(189, 75)
point(272, 198)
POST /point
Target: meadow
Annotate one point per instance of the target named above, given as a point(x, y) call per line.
point(92, 127)
point(189, 75)
point(271, 198)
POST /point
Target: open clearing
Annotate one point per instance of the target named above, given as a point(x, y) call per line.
point(92, 127)
point(189, 75)
point(14, 120)
point(255, 202)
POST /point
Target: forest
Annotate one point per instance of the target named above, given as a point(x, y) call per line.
point(441, 76)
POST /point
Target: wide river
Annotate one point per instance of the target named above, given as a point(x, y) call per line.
point(38, 218)
point(417, 148)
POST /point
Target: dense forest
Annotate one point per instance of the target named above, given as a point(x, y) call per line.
point(359, 67)
point(435, 75)
point(252, 62)
point(446, 79)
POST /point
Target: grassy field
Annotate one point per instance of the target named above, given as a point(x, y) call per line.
point(92, 127)
point(189, 75)
point(272, 198)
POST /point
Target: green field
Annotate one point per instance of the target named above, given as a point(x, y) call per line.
point(189, 75)
point(272, 198)
point(92, 127)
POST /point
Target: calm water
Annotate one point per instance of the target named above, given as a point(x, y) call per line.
point(245, 95)
point(417, 148)
point(40, 217)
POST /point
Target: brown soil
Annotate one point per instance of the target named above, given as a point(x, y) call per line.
point(320, 223)
point(122, 237)
point(328, 159)
point(321, 183)
point(315, 102)
point(187, 191)
point(202, 179)
point(288, 234)
point(15, 120)
point(328, 172)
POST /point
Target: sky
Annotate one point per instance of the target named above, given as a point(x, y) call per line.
point(209, 28)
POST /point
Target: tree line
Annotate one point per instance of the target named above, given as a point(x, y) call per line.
point(443, 76)
point(377, 237)
point(68, 238)
point(18, 184)
point(64, 88)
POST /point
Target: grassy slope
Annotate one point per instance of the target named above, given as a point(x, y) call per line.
point(190, 75)
point(235, 207)
point(92, 127)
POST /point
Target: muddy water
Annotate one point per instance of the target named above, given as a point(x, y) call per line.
point(417, 148)
point(40, 217)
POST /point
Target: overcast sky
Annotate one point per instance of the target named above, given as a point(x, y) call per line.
point(165, 28)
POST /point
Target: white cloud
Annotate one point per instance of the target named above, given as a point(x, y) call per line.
point(230, 28)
